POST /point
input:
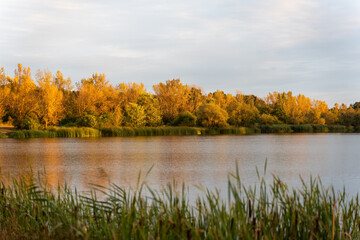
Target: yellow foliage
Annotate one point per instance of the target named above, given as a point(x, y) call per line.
point(172, 98)
point(22, 94)
point(50, 99)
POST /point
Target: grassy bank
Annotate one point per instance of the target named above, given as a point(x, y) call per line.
point(57, 133)
point(74, 132)
point(3, 135)
point(149, 131)
point(31, 211)
point(304, 128)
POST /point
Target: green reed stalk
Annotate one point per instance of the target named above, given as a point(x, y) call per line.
point(30, 209)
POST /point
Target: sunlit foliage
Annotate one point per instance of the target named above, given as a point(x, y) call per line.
point(212, 116)
point(53, 100)
point(22, 98)
point(172, 98)
point(50, 99)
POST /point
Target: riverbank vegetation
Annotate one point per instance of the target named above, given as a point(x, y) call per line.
point(29, 209)
point(83, 132)
point(49, 100)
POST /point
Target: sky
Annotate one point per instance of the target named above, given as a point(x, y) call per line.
point(310, 47)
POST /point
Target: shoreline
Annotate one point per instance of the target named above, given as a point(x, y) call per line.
point(85, 132)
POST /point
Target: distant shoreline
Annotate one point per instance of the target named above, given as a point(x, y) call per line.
point(85, 132)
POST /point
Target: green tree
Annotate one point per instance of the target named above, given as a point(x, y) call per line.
point(243, 114)
point(185, 119)
point(134, 115)
point(268, 119)
point(87, 120)
point(151, 109)
point(212, 116)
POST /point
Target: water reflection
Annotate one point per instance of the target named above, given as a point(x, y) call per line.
point(194, 159)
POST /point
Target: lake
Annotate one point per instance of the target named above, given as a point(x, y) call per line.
point(196, 160)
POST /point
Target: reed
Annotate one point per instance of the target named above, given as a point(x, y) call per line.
point(149, 131)
point(57, 133)
point(30, 209)
point(302, 128)
point(81, 132)
point(229, 131)
point(276, 128)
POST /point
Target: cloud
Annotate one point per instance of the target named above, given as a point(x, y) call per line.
point(255, 46)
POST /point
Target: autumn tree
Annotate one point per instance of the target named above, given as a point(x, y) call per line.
point(50, 99)
point(318, 111)
point(172, 97)
point(134, 115)
point(289, 108)
point(196, 98)
point(69, 97)
point(94, 95)
point(151, 109)
point(4, 93)
point(212, 116)
point(220, 98)
point(130, 93)
point(22, 97)
point(185, 119)
point(62, 83)
point(243, 114)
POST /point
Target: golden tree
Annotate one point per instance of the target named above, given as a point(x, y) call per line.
point(212, 116)
point(22, 98)
point(94, 95)
point(130, 93)
point(172, 97)
point(196, 98)
point(4, 93)
point(62, 83)
point(50, 99)
point(318, 112)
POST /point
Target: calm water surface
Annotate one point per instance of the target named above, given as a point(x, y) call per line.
point(197, 160)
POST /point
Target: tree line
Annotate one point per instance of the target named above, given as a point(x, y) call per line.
point(51, 99)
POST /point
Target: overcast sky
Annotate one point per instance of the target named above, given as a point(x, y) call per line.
point(255, 46)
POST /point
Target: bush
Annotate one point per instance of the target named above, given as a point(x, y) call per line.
point(302, 128)
point(3, 135)
point(320, 128)
point(29, 123)
point(278, 128)
point(134, 115)
point(185, 119)
point(268, 119)
point(337, 128)
point(212, 116)
point(68, 121)
point(87, 121)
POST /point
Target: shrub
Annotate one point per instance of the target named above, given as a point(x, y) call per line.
point(320, 128)
point(302, 128)
point(212, 116)
point(86, 120)
point(268, 119)
point(30, 123)
point(277, 128)
point(134, 115)
point(185, 119)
